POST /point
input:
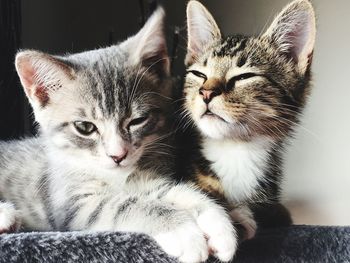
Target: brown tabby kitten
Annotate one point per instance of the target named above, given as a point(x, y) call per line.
point(245, 95)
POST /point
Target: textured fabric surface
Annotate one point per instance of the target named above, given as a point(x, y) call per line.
point(298, 244)
point(290, 244)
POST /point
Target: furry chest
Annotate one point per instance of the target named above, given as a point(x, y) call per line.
point(239, 165)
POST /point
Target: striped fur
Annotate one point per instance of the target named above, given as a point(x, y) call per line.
point(92, 107)
point(245, 95)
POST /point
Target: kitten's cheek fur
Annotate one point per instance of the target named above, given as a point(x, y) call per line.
point(198, 108)
point(133, 158)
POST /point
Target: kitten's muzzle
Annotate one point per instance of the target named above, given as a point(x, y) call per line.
point(119, 158)
point(211, 88)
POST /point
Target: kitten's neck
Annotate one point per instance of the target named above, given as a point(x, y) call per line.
point(240, 165)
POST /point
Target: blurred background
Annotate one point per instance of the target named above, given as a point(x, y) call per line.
point(317, 169)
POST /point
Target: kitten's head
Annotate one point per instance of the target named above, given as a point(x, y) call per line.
point(243, 87)
point(102, 108)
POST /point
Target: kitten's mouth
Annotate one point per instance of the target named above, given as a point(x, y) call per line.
point(210, 114)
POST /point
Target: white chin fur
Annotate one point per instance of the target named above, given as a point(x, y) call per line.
point(214, 128)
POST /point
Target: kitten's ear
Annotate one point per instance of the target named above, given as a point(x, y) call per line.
point(202, 31)
point(294, 32)
point(149, 47)
point(40, 75)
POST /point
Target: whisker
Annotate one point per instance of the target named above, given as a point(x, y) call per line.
point(141, 77)
point(288, 122)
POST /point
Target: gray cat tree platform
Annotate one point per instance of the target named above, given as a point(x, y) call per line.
point(289, 244)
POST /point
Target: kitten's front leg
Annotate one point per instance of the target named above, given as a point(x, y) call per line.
point(175, 230)
point(184, 222)
point(210, 217)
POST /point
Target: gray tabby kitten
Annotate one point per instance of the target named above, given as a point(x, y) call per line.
point(245, 96)
point(97, 163)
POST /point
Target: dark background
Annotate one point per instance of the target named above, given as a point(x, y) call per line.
point(12, 106)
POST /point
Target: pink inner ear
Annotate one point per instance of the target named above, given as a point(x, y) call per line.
point(42, 95)
point(298, 39)
point(27, 75)
point(33, 89)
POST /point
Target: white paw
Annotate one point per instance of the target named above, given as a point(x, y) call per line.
point(244, 216)
point(9, 218)
point(186, 242)
point(221, 234)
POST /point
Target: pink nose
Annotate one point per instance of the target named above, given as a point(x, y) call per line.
point(209, 94)
point(119, 158)
point(206, 94)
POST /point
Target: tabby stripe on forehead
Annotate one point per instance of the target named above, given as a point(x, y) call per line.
point(82, 113)
point(231, 47)
point(240, 47)
point(242, 59)
point(108, 105)
point(93, 113)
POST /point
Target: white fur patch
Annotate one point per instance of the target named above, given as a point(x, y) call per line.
point(212, 220)
point(239, 165)
point(221, 235)
point(9, 218)
point(185, 242)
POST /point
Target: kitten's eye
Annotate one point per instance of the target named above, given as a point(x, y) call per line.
point(232, 81)
point(245, 76)
point(198, 74)
point(137, 121)
point(84, 127)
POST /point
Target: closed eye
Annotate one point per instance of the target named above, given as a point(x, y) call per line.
point(198, 74)
point(246, 76)
point(137, 121)
point(232, 81)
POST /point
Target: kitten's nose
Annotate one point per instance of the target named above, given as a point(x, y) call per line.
point(119, 158)
point(209, 94)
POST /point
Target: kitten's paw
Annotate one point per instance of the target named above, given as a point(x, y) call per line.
point(245, 217)
point(221, 234)
point(9, 218)
point(186, 242)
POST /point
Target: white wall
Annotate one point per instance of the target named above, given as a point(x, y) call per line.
point(318, 166)
point(317, 169)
